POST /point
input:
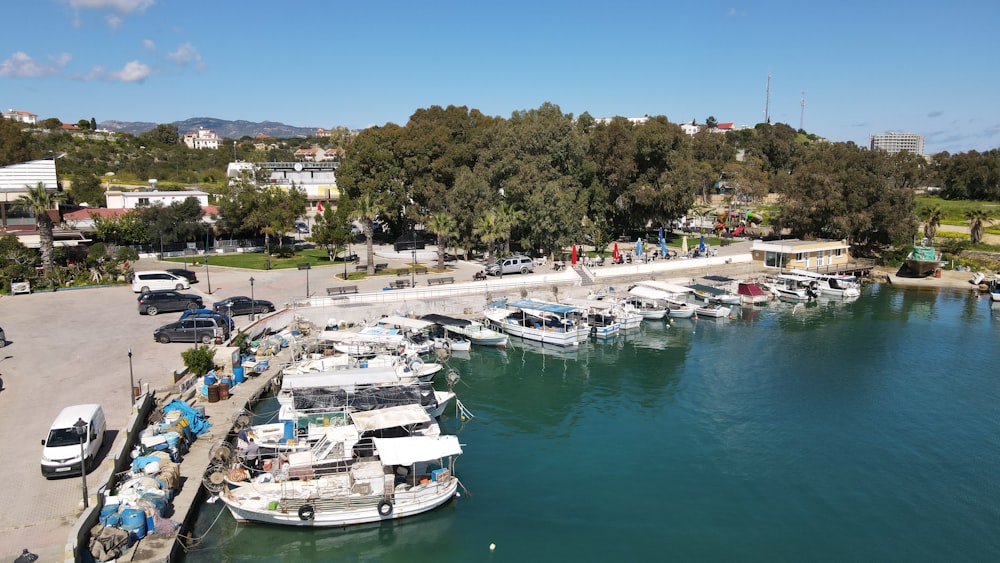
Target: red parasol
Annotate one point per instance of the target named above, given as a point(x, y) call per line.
point(614, 253)
point(573, 256)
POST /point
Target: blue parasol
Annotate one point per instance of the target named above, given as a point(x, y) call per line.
point(638, 248)
point(701, 246)
point(663, 243)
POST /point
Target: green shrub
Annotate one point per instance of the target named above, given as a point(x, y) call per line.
point(199, 360)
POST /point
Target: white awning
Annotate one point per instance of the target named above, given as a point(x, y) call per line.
point(390, 417)
point(405, 322)
point(341, 378)
point(407, 451)
point(664, 286)
point(646, 292)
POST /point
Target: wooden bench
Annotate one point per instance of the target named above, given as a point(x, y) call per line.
point(342, 290)
point(380, 267)
point(361, 268)
point(399, 284)
point(440, 281)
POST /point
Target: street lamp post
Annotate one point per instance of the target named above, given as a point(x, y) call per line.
point(253, 303)
point(413, 267)
point(208, 276)
point(306, 266)
point(131, 377)
point(81, 432)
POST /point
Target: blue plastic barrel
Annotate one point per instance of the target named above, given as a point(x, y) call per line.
point(210, 379)
point(227, 381)
point(238, 374)
point(289, 430)
point(134, 520)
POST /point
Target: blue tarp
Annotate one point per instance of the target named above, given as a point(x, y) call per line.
point(196, 423)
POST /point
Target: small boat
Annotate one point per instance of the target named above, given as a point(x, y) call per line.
point(648, 302)
point(923, 260)
point(674, 297)
point(713, 294)
point(476, 332)
point(795, 288)
point(712, 310)
point(834, 285)
point(541, 321)
point(751, 293)
point(398, 477)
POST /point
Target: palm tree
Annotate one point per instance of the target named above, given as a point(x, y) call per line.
point(507, 218)
point(978, 219)
point(367, 210)
point(445, 227)
point(489, 230)
point(39, 201)
point(932, 220)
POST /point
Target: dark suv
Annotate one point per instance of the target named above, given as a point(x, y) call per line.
point(167, 300)
point(192, 329)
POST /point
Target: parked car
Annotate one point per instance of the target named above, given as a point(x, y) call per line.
point(208, 313)
point(158, 279)
point(243, 305)
point(511, 265)
point(301, 227)
point(166, 301)
point(192, 329)
point(190, 275)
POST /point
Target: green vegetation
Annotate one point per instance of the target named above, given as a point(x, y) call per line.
point(199, 360)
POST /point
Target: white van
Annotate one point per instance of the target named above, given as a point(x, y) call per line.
point(158, 279)
point(61, 449)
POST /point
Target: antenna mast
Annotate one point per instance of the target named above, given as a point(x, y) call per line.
point(802, 113)
point(767, 100)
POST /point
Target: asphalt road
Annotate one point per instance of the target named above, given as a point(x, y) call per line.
point(70, 347)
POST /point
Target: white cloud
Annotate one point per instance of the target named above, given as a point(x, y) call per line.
point(133, 71)
point(149, 44)
point(113, 20)
point(186, 54)
point(22, 65)
point(120, 6)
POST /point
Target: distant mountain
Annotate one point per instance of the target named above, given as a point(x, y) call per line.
point(223, 128)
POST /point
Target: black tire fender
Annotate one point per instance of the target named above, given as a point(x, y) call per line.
point(307, 512)
point(385, 508)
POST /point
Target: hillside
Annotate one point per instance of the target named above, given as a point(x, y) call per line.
point(223, 128)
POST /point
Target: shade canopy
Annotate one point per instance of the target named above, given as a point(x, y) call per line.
point(409, 450)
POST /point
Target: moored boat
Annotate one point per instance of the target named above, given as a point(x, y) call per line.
point(752, 293)
point(923, 260)
point(550, 323)
point(476, 332)
point(401, 477)
point(834, 285)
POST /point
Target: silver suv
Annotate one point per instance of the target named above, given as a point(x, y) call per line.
point(511, 265)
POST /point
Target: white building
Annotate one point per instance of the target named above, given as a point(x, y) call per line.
point(131, 200)
point(21, 116)
point(317, 179)
point(202, 139)
point(893, 143)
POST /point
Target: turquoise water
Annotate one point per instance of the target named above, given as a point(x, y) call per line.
point(822, 432)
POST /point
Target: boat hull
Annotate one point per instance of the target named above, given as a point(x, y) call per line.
point(247, 504)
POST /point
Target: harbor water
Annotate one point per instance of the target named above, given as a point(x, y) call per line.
point(827, 431)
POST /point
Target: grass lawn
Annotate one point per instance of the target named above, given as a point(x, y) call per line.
point(315, 257)
point(953, 210)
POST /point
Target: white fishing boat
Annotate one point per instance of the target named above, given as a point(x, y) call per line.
point(403, 366)
point(834, 285)
point(712, 310)
point(476, 332)
point(712, 294)
point(648, 302)
point(549, 323)
point(609, 310)
point(402, 477)
point(675, 299)
point(794, 287)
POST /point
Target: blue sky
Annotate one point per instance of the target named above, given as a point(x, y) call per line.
point(865, 66)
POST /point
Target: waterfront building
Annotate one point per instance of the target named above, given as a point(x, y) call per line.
point(804, 254)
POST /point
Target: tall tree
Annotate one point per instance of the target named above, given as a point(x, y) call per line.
point(978, 219)
point(39, 201)
point(932, 220)
point(367, 210)
point(333, 227)
point(15, 144)
point(444, 226)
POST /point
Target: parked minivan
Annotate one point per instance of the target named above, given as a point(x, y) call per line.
point(158, 279)
point(511, 265)
point(193, 329)
point(61, 449)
